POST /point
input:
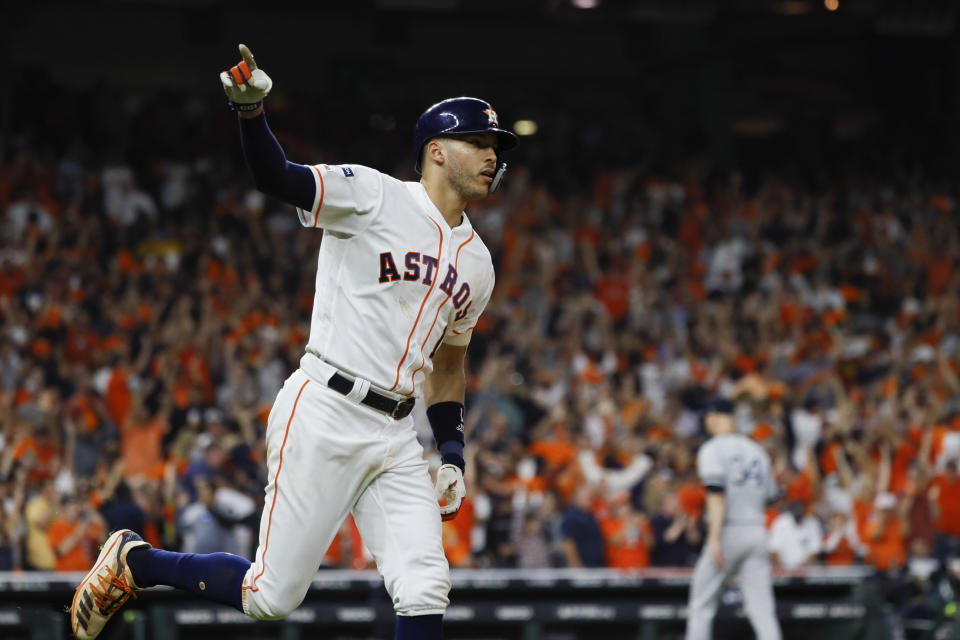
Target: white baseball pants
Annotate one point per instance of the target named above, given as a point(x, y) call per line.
point(746, 556)
point(327, 455)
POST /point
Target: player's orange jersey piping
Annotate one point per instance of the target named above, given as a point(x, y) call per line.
point(316, 212)
point(436, 277)
point(276, 490)
point(423, 363)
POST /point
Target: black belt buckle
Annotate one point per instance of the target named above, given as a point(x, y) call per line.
point(384, 404)
point(402, 409)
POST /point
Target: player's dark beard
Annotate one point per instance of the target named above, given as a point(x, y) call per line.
point(466, 183)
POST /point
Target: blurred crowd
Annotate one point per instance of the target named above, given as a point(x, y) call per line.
point(151, 309)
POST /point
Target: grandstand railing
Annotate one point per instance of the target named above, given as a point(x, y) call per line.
point(831, 602)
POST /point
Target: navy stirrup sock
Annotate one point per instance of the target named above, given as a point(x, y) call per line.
point(419, 627)
point(214, 576)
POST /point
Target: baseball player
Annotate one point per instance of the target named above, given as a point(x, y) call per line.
point(736, 472)
point(402, 278)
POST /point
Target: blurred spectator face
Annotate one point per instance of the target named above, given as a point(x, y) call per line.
point(683, 460)
point(194, 419)
point(204, 490)
point(43, 437)
point(49, 491)
point(215, 455)
point(919, 548)
point(621, 509)
point(71, 510)
point(215, 422)
point(582, 498)
point(548, 507)
point(532, 525)
point(660, 482)
point(671, 505)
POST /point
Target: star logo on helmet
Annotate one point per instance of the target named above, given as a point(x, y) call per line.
point(491, 117)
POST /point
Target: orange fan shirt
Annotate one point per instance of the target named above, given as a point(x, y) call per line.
point(80, 558)
point(889, 549)
point(948, 502)
point(843, 554)
point(625, 554)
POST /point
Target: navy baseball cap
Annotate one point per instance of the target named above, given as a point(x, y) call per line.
point(719, 405)
point(459, 116)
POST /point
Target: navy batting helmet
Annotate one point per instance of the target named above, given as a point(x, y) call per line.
point(460, 116)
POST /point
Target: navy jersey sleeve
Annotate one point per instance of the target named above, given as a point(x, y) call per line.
point(272, 172)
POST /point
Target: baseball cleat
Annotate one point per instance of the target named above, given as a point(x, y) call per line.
point(106, 587)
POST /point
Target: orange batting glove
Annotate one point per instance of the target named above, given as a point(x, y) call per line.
point(245, 84)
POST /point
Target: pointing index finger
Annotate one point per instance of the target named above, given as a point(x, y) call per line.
point(247, 56)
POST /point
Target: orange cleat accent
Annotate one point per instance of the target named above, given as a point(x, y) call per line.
point(107, 586)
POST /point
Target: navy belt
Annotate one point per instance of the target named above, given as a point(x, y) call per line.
point(396, 409)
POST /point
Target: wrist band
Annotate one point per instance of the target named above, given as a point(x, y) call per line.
point(446, 422)
point(453, 457)
point(244, 106)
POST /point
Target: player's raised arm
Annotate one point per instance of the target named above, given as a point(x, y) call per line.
point(246, 86)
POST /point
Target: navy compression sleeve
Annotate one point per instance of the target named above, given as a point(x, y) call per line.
point(272, 172)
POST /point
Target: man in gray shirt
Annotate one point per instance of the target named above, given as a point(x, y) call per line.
point(737, 474)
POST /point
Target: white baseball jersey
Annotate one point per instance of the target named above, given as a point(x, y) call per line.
point(393, 282)
point(393, 279)
point(742, 469)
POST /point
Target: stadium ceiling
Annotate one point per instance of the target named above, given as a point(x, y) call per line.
point(760, 62)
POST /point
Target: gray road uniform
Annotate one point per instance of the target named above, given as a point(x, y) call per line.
point(739, 467)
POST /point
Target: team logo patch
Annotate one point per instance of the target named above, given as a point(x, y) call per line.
point(492, 117)
point(348, 172)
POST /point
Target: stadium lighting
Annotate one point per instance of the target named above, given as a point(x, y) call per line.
point(525, 127)
point(793, 8)
point(585, 4)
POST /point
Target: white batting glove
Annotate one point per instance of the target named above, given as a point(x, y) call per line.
point(244, 83)
point(450, 489)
